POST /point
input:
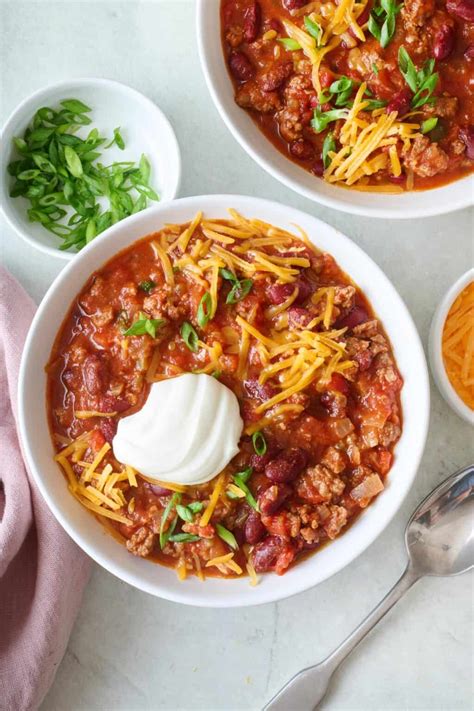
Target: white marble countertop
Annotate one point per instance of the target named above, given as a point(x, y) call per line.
point(131, 651)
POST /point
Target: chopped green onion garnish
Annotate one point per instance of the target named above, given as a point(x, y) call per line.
point(196, 506)
point(147, 286)
point(241, 479)
point(117, 139)
point(144, 325)
point(58, 167)
point(314, 29)
point(289, 43)
point(189, 336)
point(329, 145)
point(183, 538)
point(321, 119)
point(421, 81)
point(259, 443)
point(204, 310)
point(239, 290)
point(227, 536)
point(429, 124)
point(185, 513)
point(164, 535)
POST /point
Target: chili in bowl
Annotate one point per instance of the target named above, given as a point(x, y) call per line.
point(317, 401)
point(372, 97)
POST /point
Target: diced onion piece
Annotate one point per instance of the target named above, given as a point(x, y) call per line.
point(367, 489)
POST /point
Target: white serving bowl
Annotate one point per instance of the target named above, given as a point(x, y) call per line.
point(144, 127)
point(92, 537)
point(435, 348)
point(401, 205)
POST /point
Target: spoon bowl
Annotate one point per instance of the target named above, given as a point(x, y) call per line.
point(440, 541)
point(439, 536)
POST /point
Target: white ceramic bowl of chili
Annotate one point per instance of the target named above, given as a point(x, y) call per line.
point(436, 348)
point(92, 536)
point(145, 129)
point(422, 203)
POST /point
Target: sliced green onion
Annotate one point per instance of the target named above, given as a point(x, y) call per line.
point(204, 310)
point(289, 43)
point(75, 106)
point(314, 29)
point(147, 286)
point(239, 291)
point(164, 535)
point(190, 337)
point(117, 139)
point(429, 124)
point(65, 164)
point(184, 513)
point(321, 119)
point(183, 538)
point(259, 443)
point(196, 506)
point(144, 325)
point(227, 536)
point(329, 146)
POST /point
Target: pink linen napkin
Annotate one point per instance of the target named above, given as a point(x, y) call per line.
point(42, 571)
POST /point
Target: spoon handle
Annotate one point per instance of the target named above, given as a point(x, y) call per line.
point(306, 689)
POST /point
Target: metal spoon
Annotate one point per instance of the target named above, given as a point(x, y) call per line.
point(439, 540)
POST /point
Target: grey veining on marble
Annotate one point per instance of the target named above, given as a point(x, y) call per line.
point(132, 652)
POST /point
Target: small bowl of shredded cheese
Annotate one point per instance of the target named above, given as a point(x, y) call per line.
point(451, 346)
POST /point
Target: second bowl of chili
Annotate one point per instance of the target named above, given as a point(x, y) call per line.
point(385, 131)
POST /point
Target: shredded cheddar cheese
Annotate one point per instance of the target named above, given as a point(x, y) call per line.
point(458, 345)
point(206, 517)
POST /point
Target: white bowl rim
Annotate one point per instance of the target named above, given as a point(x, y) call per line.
point(438, 204)
point(274, 592)
point(435, 348)
point(35, 97)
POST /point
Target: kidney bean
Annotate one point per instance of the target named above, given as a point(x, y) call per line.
point(305, 289)
point(469, 52)
point(286, 466)
point(95, 374)
point(252, 21)
point(339, 384)
point(110, 403)
point(299, 317)
point(466, 134)
point(259, 391)
point(303, 150)
point(293, 4)
point(461, 8)
point(108, 427)
point(159, 490)
point(258, 462)
point(273, 553)
point(278, 293)
point(318, 167)
point(355, 316)
point(240, 66)
point(398, 179)
point(272, 498)
point(335, 403)
point(400, 102)
point(443, 43)
point(254, 530)
point(326, 78)
point(274, 77)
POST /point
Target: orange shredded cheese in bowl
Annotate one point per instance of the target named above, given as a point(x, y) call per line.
point(458, 345)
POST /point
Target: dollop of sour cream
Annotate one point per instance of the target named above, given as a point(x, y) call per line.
point(187, 431)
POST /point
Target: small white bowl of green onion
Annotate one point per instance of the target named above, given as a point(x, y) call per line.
point(81, 155)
